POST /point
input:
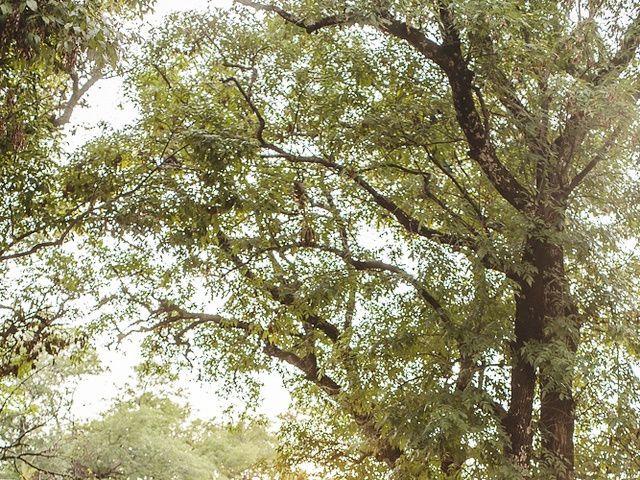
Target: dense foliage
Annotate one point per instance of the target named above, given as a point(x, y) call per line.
point(425, 210)
point(422, 214)
point(151, 437)
point(143, 435)
point(51, 53)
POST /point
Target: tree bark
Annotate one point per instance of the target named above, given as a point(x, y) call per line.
point(557, 425)
point(543, 317)
point(529, 321)
point(557, 407)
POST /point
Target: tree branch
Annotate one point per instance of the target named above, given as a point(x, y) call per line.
point(329, 21)
point(597, 158)
point(626, 51)
point(306, 364)
point(450, 59)
point(77, 92)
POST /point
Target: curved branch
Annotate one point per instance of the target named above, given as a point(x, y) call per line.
point(77, 92)
point(378, 265)
point(307, 365)
point(625, 53)
point(329, 21)
point(450, 59)
point(597, 158)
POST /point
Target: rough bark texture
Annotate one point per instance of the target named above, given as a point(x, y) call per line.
point(542, 320)
point(529, 318)
point(557, 403)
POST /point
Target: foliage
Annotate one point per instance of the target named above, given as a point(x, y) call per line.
point(426, 210)
point(51, 53)
point(151, 437)
point(424, 214)
point(34, 401)
point(143, 435)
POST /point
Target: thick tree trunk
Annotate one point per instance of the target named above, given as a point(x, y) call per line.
point(557, 406)
point(529, 321)
point(557, 425)
point(540, 304)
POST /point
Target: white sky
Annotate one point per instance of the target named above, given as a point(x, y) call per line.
point(96, 393)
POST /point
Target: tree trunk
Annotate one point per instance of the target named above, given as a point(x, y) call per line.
point(529, 320)
point(557, 404)
point(557, 425)
point(540, 304)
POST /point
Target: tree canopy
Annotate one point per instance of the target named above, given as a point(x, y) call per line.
point(423, 214)
point(151, 437)
point(51, 53)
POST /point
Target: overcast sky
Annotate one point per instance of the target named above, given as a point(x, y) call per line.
point(96, 393)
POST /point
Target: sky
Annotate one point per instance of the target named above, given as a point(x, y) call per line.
point(105, 103)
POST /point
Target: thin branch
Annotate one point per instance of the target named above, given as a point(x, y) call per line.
point(464, 192)
point(310, 27)
point(77, 92)
point(597, 158)
point(306, 364)
point(625, 53)
point(411, 224)
point(75, 221)
point(377, 265)
point(51, 243)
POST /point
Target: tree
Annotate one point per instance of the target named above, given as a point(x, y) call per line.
point(426, 210)
point(142, 435)
point(33, 403)
point(51, 54)
point(151, 437)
